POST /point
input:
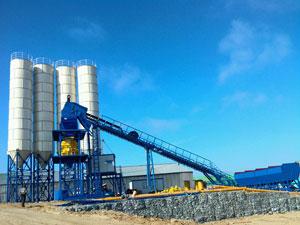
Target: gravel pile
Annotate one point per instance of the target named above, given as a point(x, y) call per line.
point(202, 207)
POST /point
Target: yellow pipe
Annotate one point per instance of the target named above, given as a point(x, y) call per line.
point(214, 189)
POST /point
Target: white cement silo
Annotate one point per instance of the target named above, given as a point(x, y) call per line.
point(87, 90)
point(65, 84)
point(20, 106)
point(43, 108)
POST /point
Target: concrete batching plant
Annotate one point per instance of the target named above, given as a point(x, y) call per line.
point(78, 158)
point(32, 119)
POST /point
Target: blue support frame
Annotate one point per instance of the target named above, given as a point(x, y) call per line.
point(43, 179)
point(95, 173)
point(121, 183)
point(72, 182)
point(151, 182)
point(287, 185)
point(37, 178)
point(19, 174)
point(73, 169)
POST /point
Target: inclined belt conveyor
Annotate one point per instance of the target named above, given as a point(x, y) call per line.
point(149, 142)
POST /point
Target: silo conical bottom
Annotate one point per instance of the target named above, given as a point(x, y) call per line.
point(23, 155)
point(43, 158)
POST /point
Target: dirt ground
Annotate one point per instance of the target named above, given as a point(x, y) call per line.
point(37, 214)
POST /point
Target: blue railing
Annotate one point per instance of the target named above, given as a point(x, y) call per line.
point(64, 62)
point(159, 144)
point(86, 62)
point(20, 55)
point(42, 60)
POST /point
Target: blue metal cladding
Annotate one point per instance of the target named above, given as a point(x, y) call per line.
point(286, 174)
point(70, 114)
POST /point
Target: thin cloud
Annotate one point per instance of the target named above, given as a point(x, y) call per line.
point(274, 6)
point(196, 110)
point(157, 125)
point(260, 99)
point(127, 78)
point(249, 47)
point(265, 6)
point(85, 30)
point(244, 99)
point(276, 50)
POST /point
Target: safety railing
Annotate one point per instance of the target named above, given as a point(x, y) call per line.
point(42, 60)
point(64, 62)
point(86, 62)
point(159, 144)
point(20, 55)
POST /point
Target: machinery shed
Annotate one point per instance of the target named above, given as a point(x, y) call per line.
point(166, 175)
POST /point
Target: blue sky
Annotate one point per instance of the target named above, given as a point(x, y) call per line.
point(220, 79)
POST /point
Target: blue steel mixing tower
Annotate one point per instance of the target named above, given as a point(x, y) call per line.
point(79, 173)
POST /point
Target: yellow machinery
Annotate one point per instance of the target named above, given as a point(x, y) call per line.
point(69, 147)
point(187, 184)
point(200, 185)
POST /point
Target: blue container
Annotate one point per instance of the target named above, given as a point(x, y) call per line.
point(273, 177)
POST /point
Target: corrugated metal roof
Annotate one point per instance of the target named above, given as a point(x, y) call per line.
point(158, 169)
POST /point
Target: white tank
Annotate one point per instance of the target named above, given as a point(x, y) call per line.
point(20, 106)
point(43, 108)
point(87, 91)
point(65, 84)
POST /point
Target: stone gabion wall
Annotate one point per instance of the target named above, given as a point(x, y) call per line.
point(202, 207)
